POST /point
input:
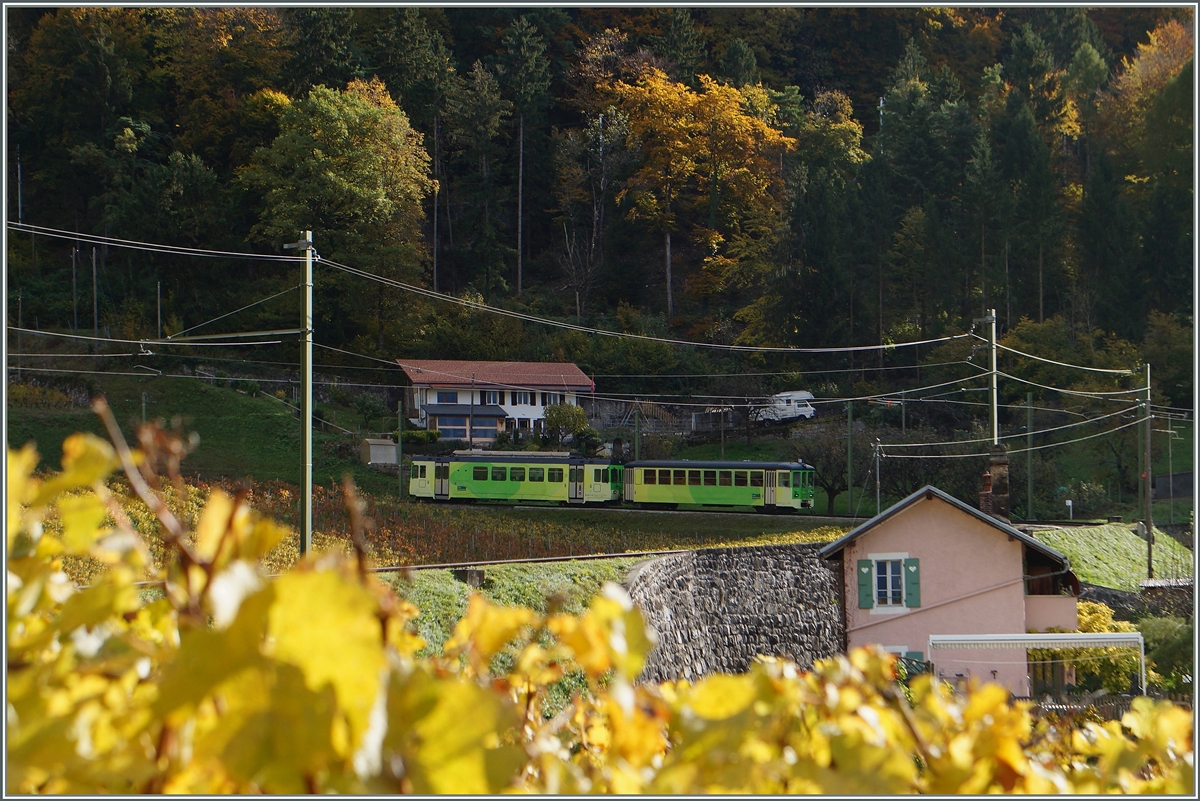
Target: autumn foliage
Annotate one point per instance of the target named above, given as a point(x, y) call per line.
point(227, 681)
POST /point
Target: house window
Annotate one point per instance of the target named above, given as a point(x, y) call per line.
point(452, 427)
point(522, 399)
point(447, 397)
point(889, 582)
point(549, 398)
point(492, 397)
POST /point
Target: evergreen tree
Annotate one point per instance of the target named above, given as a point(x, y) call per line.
point(680, 43)
point(323, 49)
point(738, 64)
point(526, 73)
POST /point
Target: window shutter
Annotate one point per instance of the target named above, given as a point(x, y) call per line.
point(866, 593)
point(912, 582)
point(919, 656)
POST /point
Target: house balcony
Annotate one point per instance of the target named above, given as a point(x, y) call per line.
point(1043, 612)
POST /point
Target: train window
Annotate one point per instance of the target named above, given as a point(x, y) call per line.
point(739, 478)
point(441, 471)
point(680, 478)
point(693, 478)
point(516, 474)
point(414, 471)
point(499, 473)
point(537, 474)
point(479, 473)
point(650, 476)
point(664, 476)
point(756, 478)
point(725, 478)
point(575, 475)
point(554, 475)
point(710, 478)
point(597, 475)
point(784, 480)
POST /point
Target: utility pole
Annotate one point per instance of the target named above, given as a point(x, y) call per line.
point(991, 318)
point(160, 309)
point(637, 434)
point(20, 325)
point(1029, 452)
point(306, 380)
point(849, 457)
point(878, 508)
point(400, 445)
point(1149, 501)
point(74, 294)
point(95, 303)
point(471, 417)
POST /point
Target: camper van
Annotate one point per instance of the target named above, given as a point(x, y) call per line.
point(787, 407)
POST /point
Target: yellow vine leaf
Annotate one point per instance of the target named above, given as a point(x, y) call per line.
point(486, 628)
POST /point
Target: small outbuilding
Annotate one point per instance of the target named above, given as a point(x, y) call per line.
point(378, 451)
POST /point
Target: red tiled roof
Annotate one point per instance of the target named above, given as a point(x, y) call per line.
point(518, 375)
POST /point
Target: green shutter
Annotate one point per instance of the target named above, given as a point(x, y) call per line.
point(919, 656)
point(866, 593)
point(912, 582)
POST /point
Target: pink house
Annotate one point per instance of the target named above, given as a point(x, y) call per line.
point(932, 564)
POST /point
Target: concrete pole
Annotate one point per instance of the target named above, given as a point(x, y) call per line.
point(306, 385)
point(1146, 476)
point(95, 303)
point(1029, 452)
point(991, 319)
point(850, 457)
point(400, 445)
point(74, 293)
point(160, 309)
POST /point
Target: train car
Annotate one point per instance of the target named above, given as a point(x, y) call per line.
point(762, 486)
point(516, 476)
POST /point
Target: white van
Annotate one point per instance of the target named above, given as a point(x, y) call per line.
point(788, 406)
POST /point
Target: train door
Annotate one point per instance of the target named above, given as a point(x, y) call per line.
point(575, 479)
point(441, 479)
point(769, 489)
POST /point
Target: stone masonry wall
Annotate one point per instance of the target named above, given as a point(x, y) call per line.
point(716, 609)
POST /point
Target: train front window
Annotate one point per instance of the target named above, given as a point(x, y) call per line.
point(498, 473)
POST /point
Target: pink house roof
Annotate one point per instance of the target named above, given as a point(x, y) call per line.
point(517, 375)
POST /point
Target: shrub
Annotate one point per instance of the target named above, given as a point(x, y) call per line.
point(38, 397)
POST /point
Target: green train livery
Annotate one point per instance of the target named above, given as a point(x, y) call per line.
point(762, 486)
point(516, 476)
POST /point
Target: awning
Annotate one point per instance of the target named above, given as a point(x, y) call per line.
point(1114, 639)
point(463, 410)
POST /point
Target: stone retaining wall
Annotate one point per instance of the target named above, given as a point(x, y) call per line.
point(716, 609)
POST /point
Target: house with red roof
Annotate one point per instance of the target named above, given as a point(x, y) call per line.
point(477, 400)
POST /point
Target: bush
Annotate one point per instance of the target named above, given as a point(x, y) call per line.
point(235, 682)
point(341, 396)
point(35, 396)
point(221, 378)
point(420, 436)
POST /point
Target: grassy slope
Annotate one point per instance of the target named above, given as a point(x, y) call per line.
point(1113, 556)
point(239, 435)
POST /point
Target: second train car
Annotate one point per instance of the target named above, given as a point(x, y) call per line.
point(762, 486)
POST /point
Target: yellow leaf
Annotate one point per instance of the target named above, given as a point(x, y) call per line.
point(86, 460)
point(20, 486)
point(325, 624)
point(81, 518)
point(719, 697)
point(214, 519)
point(487, 627)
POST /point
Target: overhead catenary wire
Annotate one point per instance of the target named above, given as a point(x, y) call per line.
point(1060, 364)
point(883, 448)
point(148, 341)
point(1078, 393)
point(477, 306)
point(153, 247)
point(235, 311)
point(1014, 436)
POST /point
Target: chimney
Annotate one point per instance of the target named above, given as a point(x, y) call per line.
point(999, 471)
point(985, 497)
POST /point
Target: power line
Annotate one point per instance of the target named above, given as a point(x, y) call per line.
point(470, 304)
point(1013, 436)
point(1060, 364)
point(152, 247)
point(1078, 393)
point(1013, 451)
point(235, 311)
point(798, 373)
point(150, 341)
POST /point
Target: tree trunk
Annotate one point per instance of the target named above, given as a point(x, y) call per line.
point(520, 192)
point(670, 300)
point(1041, 305)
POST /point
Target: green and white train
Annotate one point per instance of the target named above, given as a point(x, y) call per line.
point(564, 478)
